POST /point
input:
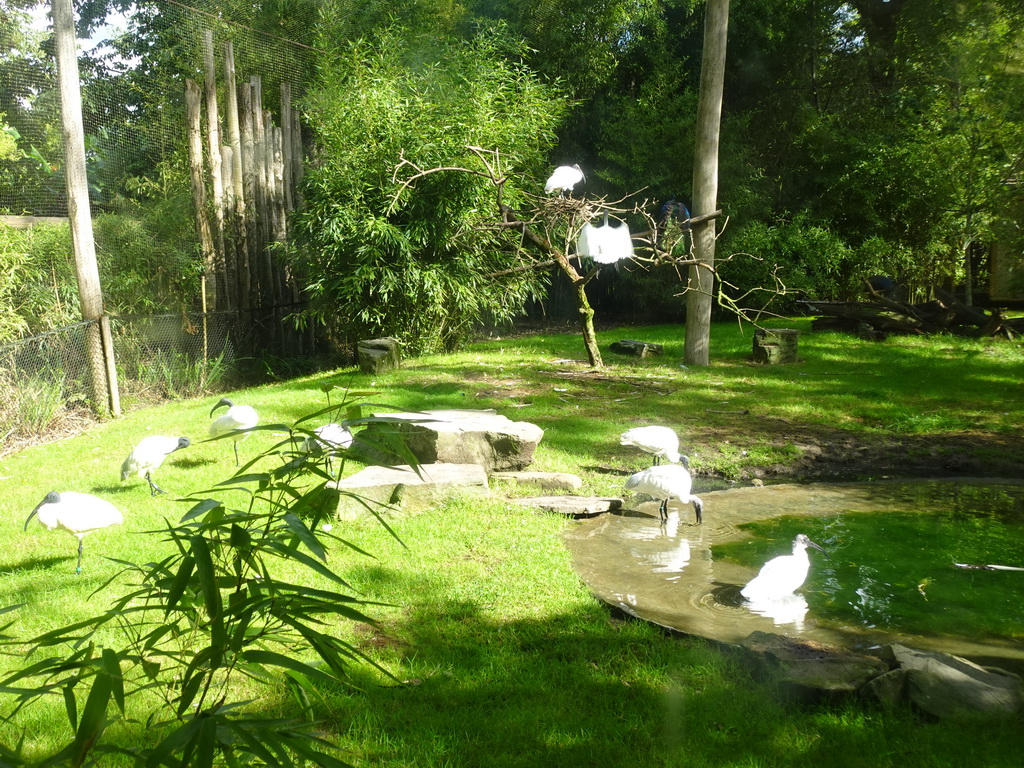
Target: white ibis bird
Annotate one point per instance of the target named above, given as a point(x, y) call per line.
point(564, 178)
point(782, 575)
point(330, 438)
point(660, 441)
point(237, 419)
point(667, 482)
point(148, 455)
point(605, 243)
point(76, 513)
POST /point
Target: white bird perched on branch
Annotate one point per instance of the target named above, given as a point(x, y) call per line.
point(660, 441)
point(148, 455)
point(76, 513)
point(666, 483)
point(782, 575)
point(564, 178)
point(237, 419)
point(330, 438)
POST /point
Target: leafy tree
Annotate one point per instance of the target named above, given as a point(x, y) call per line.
point(416, 263)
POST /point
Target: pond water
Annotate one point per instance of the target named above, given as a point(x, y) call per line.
point(891, 572)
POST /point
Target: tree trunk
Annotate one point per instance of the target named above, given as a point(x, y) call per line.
point(705, 183)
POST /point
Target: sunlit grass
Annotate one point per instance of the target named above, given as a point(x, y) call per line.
point(498, 654)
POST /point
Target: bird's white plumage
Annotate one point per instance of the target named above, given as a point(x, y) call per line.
point(605, 244)
point(782, 575)
point(564, 178)
point(666, 482)
point(77, 513)
point(237, 417)
point(660, 441)
point(149, 454)
point(330, 437)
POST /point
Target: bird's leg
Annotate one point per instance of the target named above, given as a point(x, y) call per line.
point(78, 568)
point(154, 489)
point(657, 460)
point(698, 507)
point(234, 444)
point(663, 511)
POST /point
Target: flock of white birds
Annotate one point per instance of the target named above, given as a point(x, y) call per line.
point(82, 513)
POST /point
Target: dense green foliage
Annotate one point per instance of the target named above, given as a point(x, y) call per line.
point(413, 261)
point(146, 256)
point(857, 138)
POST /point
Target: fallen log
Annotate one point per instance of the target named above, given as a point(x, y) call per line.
point(882, 316)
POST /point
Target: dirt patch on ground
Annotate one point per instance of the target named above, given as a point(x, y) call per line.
point(829, 454)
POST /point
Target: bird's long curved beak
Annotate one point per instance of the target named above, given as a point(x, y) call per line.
point(31, 515)
point(223, 401)
point(820, 549)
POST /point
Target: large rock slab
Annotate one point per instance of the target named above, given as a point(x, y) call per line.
point(389, 489)
point(809, 669)
point(945, 686)
point(451, 436)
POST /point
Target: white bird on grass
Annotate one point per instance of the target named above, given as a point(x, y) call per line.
point(782, 575)
point(330, 438)
point(660, 441)
point(237, 419)
point(148, 455)
point(76, 513)
point(666, 483)
point(564, 178)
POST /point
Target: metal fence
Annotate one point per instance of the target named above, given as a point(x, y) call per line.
point(46, 381)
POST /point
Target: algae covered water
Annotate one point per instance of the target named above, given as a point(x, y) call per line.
point(896, 568)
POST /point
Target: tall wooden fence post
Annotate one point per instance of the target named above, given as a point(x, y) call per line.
point(101, 361)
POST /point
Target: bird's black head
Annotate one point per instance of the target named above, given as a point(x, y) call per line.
point(223, 402)
point(183, 442)
point(51, 498)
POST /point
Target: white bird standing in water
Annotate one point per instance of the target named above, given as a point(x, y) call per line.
point(667, 482)
point(148, 455)
point(782, 575)
point(564, 178)
point(330, 438)
point(236, 419)
point(660, 441)
point(76, 513)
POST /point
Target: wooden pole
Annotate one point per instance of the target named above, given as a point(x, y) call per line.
point(194, 127)
point(238, 213)
point(287, 144)
point(216, 177)
point(705, 183)
point(245, 282)
point(104, 381)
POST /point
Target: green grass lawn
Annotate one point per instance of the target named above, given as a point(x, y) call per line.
point(497, 654)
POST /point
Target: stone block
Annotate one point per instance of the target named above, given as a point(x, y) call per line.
point(637, 348)
point(378, 355)
point(390, 489)
point(450, 437)
point(776, 346)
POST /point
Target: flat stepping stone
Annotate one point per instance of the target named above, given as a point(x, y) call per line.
point(388, 489)
point(546, 481)
point(451, 436)
point(571, 506)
